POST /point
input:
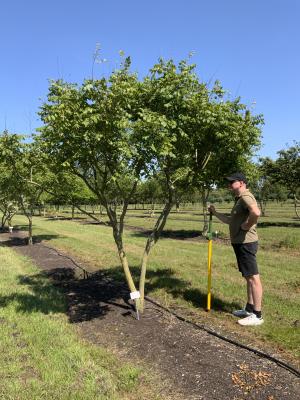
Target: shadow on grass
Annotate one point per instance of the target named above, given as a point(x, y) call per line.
point(97, 295)
point(85, 299)
point(178, 288)
point(44, 297)
point(171, 234)
point(279, 224)
point(80, 299)
point(63, 218)
point(94, 297)
point(19, 241)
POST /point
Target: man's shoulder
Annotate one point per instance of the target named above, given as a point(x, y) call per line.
point(248, 197)
point(246, 193)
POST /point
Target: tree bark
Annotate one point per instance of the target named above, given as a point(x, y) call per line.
point(204, 197)
point(263, 206)
point(88, 213)
point(30, 239)
point(152, 239)
point(296, 202)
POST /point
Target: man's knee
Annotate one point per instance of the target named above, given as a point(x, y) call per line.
point(253, 278)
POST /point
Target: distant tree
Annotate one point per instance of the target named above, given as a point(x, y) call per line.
point(152, 192)
point(279, 193)
point(284, 172)
point(71, 190)
point(8, 204)
point(27, 171)
point(262, 184)
point(287, 170)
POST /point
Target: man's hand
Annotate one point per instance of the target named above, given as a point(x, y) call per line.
point(211, 209)
point(245, 226)
point(222, 217)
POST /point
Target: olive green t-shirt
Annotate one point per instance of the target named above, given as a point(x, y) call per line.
point(239, 214)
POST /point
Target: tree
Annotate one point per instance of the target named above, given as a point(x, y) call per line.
point(284, 172)
point(263, 183)
point(70, 189)
point(8, 204)
point(88, 132)
point(151, 192)
point(27, 171)
point(279, 193)
point(287, 170)
point(115, 132)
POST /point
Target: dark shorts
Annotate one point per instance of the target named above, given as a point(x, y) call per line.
point(246, 257)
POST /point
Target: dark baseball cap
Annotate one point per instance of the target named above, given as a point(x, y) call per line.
point(237, 176)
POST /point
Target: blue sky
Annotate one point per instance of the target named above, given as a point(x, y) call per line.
point(252, 47)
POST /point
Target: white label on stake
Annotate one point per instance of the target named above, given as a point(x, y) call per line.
point(135, 295)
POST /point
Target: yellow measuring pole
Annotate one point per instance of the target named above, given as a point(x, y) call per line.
point(209, 275)
point(209, 236)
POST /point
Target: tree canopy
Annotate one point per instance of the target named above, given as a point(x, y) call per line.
point(117, 131)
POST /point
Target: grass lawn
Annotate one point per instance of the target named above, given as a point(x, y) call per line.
point(177, 272)
point(41, 355)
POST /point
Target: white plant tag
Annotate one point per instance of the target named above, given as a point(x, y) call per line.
point(135, 295)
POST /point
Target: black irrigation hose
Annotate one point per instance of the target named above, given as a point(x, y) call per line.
point(86, 274)
point(260, 353)
point(213, 333)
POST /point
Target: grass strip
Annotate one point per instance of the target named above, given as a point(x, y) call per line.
point(41, 356)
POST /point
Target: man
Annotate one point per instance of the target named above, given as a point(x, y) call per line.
point(244, 240)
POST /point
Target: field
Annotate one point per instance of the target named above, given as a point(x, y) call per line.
point(177, 274)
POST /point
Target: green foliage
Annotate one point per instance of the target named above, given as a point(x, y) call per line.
point(281, 177)
point(285, 170)
point(287, 167)
point(115, 132)
point(23, 167)
point(24, 174)
point(169, 122)
point(70, 189)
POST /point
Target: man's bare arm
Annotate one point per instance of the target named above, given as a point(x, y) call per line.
point(222, 217)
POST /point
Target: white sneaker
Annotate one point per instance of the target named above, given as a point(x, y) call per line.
point(241, 313)
point(251, 320)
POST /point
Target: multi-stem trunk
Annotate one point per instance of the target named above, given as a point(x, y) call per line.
point(29, 214)
point(118, 237)
point(29, 217)
point(30, 240)
point(152, 239)
point(123, 257)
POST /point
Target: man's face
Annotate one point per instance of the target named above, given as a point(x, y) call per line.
point(235, 186)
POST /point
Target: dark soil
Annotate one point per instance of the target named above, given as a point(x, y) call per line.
point(194, 364)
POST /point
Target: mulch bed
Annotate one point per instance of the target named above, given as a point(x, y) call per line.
point(193, 363)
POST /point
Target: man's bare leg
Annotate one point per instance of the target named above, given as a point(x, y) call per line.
point(254, 291)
